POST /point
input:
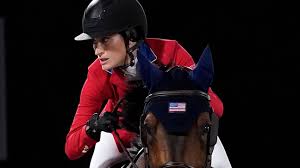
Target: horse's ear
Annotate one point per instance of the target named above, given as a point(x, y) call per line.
point(149, 72)
point(204, 70)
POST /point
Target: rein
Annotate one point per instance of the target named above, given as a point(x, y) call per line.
point(118, 136)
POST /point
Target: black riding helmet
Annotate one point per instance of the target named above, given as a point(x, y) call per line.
point(105, 17)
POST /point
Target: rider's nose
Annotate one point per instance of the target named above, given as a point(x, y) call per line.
point(99, 52)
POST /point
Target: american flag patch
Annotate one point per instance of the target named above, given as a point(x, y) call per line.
point(177, 107)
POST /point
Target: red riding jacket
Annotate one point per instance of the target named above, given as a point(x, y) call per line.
point(102, 85)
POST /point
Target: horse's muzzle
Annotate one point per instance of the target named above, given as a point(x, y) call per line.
point(176, 165)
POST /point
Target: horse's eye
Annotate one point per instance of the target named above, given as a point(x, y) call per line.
point(148, 128)
point(206, 128)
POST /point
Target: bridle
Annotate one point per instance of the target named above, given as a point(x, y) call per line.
point(212, 134)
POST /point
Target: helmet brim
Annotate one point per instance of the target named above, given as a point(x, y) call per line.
point(83, 36)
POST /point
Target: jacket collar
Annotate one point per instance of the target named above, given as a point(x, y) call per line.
point(147, 52)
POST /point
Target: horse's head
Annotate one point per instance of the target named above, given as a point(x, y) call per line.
point(178, 128)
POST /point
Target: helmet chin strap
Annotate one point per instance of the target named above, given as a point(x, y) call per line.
point(130, 51)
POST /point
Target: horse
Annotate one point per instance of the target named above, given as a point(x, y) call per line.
point(176, 126)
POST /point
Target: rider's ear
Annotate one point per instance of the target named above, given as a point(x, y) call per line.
point(204, 70)
point(132, 35)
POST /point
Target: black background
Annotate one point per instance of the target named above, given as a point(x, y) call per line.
point(251, 44)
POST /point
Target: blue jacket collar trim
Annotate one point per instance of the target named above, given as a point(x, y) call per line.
point(147, 51)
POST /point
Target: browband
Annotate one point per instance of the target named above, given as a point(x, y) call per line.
point(177, 93)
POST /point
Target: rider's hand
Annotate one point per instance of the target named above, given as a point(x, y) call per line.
point(96, 124)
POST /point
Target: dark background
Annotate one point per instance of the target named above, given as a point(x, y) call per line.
point(251, 43)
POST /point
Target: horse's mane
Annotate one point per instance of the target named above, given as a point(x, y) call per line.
point(133, 105)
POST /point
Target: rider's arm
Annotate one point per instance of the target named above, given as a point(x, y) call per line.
point(95, 90)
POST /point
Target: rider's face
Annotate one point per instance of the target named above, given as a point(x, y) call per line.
point(110, 50)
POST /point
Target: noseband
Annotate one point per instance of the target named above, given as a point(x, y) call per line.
point(176, 164)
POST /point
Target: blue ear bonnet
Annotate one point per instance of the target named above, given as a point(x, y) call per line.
point(177, 110)
point(179, 94)
point(155, 79)
point(176, 78)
